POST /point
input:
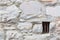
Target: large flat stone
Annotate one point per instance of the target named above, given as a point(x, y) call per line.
point(13, 35)
point(9, 13)
point(24, 25)
point(37, 37)
point(37, 28)
point(54, 11)
point(30, 9)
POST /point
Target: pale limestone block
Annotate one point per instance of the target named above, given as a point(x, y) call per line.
point(54, 38)
point(30, 38)
point(58, 27)
point(56, 32)
point(13, 35)
point(37, 37)
point(52, 27)
point(9, 26)
point(30, 9)
point(52, 24)
point(9, 13)
point(24, 25)
point(37, 18)
point(41, 18)
point(2, 12)
point(1, 35)
point(37, 28)
point(54, 11)
point(27, 33)
point(13, 10)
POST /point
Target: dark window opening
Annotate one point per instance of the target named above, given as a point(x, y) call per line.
point(45, 26)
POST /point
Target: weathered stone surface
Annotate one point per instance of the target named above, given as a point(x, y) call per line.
point(1, 27)
point(21, 19)
point(58, 1)
point(54, 11)
point(41, 18)
point(10, 26)
point(52, 26)
point(31, 7)
point(36, 37)
point(37, 28)
point(5, 2)
point(24, 25)
point(31, 10)
point(1, 35)
point(9, 13)
point(14, 34)
point(1, 32)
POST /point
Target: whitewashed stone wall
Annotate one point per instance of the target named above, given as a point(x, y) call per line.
point(22, 20)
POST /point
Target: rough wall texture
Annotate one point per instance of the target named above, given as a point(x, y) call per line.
point(22, 19)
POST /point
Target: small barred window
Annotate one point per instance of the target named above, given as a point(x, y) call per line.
point(45, 26)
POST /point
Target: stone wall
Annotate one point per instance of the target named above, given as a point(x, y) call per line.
point(22, 19)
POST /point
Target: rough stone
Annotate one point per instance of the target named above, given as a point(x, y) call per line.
point(54, 11)
point(1, 32)
point(37, 28)
point(13, 34)
point(37, 37)
point(52, 26)
point(24, 25)
point(1, 35)
point(30, 10)
point(21, 19)
point(10, 26)
point(5, 2)
point(9, 13)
